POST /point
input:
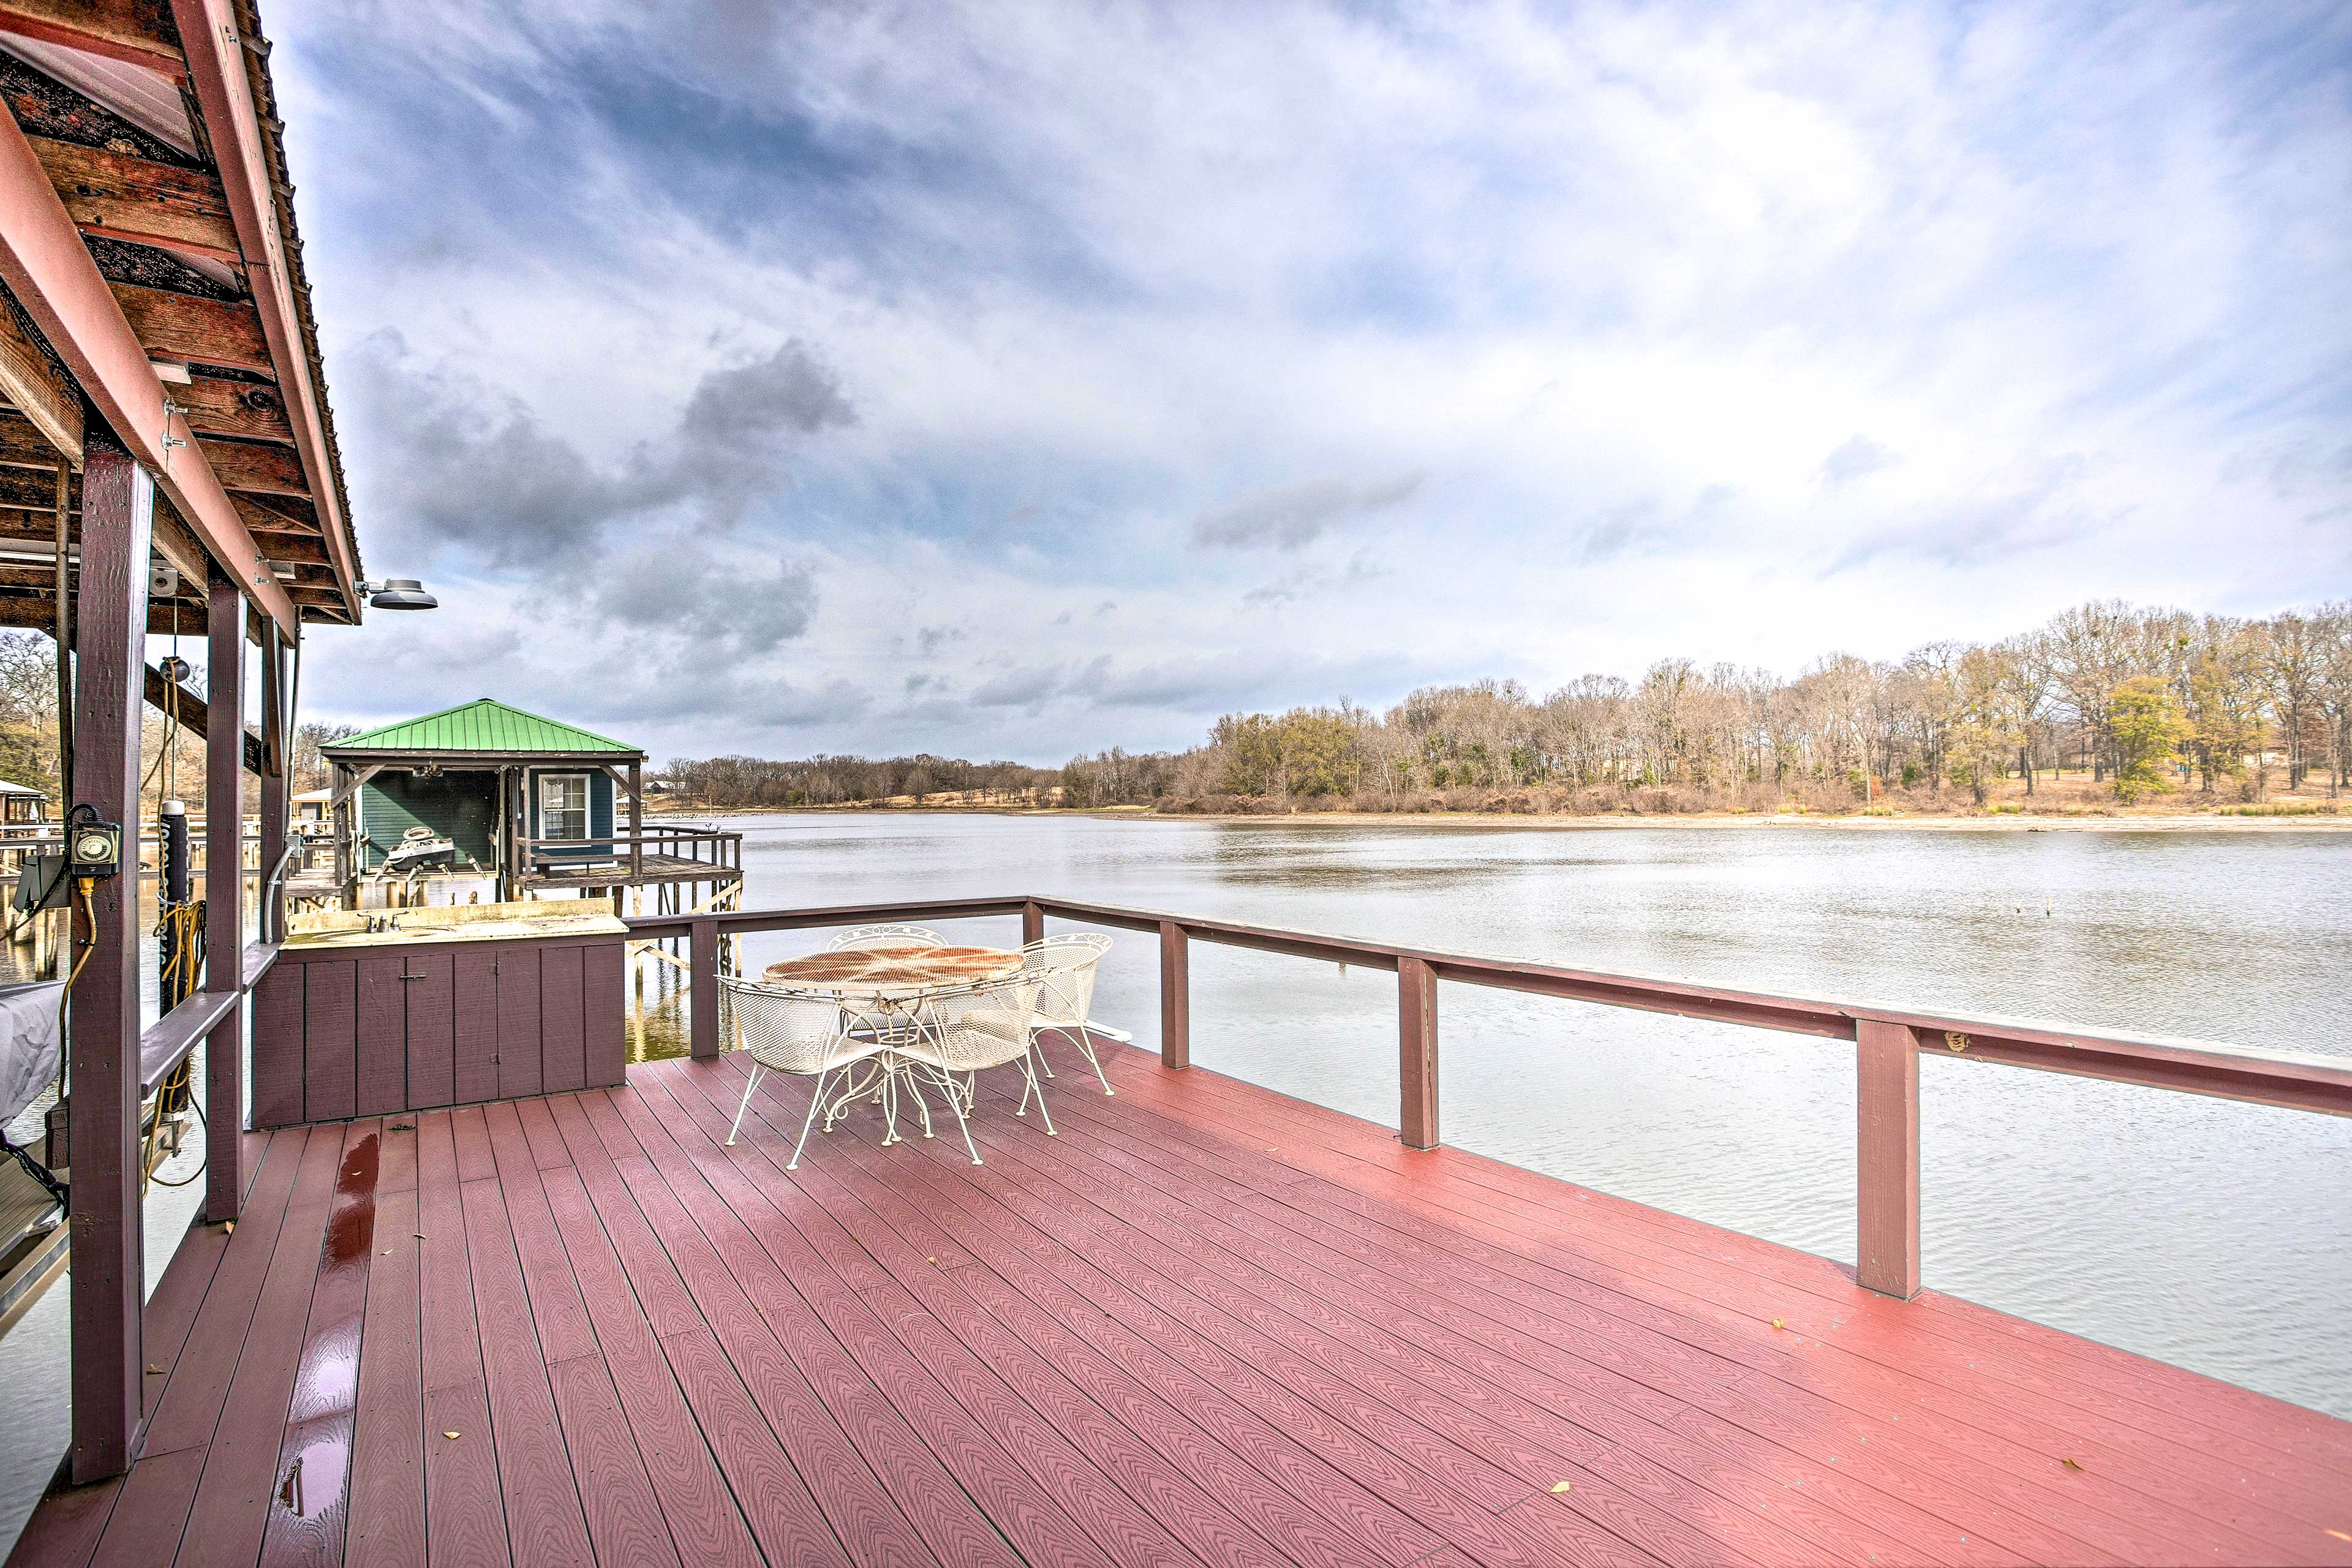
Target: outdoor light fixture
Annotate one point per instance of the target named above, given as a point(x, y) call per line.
point(399, 594)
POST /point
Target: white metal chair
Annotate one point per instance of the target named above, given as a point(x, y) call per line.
point(970, 1029)
point(885, 936)
point(792, 1031)
point(1065, 966)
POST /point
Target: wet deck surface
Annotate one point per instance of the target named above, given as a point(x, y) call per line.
point(1205, 1324)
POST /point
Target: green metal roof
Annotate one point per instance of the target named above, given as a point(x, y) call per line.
point(482, 725)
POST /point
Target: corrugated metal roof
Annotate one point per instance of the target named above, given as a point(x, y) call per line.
point(481, 725)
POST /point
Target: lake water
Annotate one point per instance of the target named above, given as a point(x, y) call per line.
point(2210, 1233)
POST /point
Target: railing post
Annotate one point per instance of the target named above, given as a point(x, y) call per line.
point(703, 990)
point(1886, 1164)
point(223, 890)
point(1175, 997)
point(108, 1282)
point(1033, 923)
point(1416, 1053)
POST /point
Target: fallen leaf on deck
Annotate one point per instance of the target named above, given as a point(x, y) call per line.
point(1779, 1324)
point(387, 1252)
point(1561, 1487)
point(451, 1435)
point(419, 1235)
point(154, 1372)
point(228, 1227)
point(2070, 1464)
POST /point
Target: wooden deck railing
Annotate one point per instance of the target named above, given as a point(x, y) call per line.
point(1888, 1041)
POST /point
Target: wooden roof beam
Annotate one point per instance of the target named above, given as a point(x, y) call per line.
point(249, 466)
point(32, 379)
point(184, 326)
point(106, 193)
point(49, 269)
point(216, 70)
point(139, 32)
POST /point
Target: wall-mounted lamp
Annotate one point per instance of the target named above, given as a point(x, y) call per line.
point(399, 594)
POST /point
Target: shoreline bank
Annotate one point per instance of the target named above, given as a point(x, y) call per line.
point(2006, 822)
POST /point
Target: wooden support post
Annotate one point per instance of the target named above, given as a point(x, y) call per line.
point(1416, 1053)
point(636, 820)
point(108, 1261)
point(224, 894)
point(276, 747)
point(1886, 1102)
point(1175, 997)
point(1033, 923)
point(346, 851)
point(62, 630)
point(703, 993)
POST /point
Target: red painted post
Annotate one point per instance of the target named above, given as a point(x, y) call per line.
point(1417, 1052)
point(1175, 997)
point(1033, 923)
point(1887, 1103)
point(702, 993)
point(224, 894)
point(108, 1276)
point(275, 744)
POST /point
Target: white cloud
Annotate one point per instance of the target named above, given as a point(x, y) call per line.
point(1732, 332)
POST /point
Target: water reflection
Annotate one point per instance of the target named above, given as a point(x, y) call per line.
point(2206, 1233)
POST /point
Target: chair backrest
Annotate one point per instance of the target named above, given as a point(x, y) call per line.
point(1065, 966)
point(983, 1026)
point(785, 1031)
point(886, 936)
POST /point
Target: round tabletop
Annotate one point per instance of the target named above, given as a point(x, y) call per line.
point(893, 972)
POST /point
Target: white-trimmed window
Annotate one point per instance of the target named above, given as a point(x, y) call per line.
point(563, 805)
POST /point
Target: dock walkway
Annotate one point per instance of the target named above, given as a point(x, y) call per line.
point(1206, 1324)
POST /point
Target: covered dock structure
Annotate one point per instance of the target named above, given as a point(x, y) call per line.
point(516, 805)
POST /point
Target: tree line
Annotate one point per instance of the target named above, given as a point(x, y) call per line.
point(2140, 701)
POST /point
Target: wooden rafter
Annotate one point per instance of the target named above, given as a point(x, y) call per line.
point(47, 264)
point(225, 90)
point(140, 32)
point(32, 379)
point(183, 327)
point(216, 405)
point(121, 197)
point(250, 466)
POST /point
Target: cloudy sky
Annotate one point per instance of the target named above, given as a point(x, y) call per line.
point(1016, 380)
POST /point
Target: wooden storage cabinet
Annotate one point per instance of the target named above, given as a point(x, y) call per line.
point(346, 1032)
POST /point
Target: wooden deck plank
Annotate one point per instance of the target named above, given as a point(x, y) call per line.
point(1571, 1360)
point(1123, 1385)
point(850, 1496)
point(464, 1517)
point(64, 1530)
point(308, 1513)
point(465, 1510)
point(556, 1309)
point(386, 1521)
point(1792, 1418)
point(1204, 1325)
point(1034, 1522)
point(624, 1520)
point(539, 1130)
point(545, 1522)
point(920, 1261)
point(1536, 1460)
point(910, 1475)
point(705, 1522)
point(240, 1472)
point(1880, 1385)
point(190, 1406)
point(2132, 1389)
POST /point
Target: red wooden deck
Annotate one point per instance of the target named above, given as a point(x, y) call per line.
point(1205, 1324)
